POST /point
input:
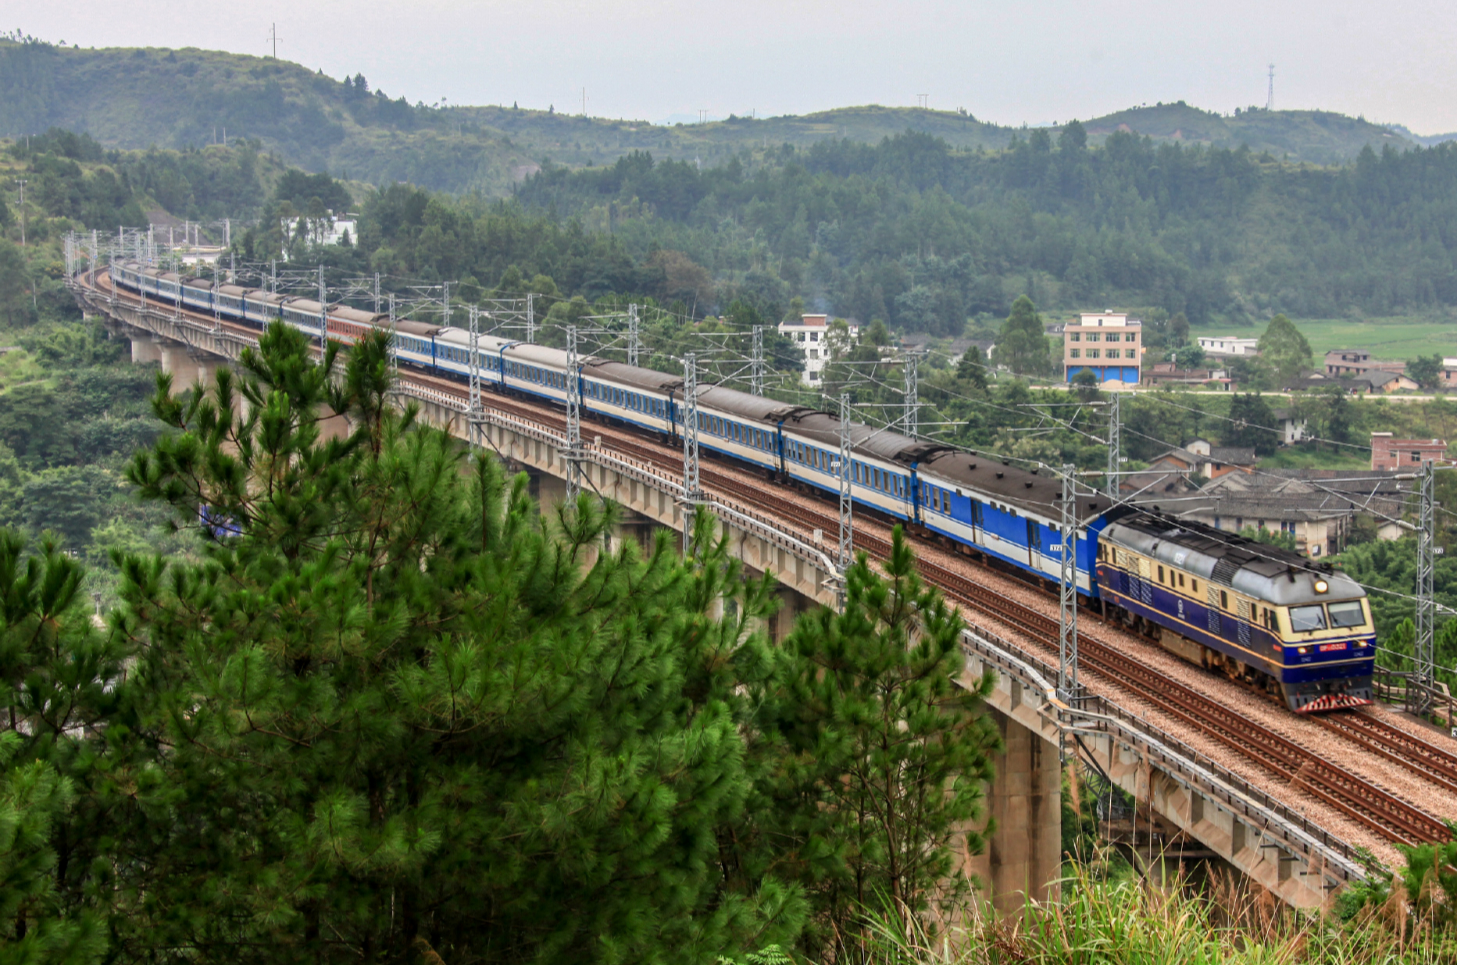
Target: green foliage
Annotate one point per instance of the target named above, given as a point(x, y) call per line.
point(878, 763)
point(1252, 424)
point(1022, 345)
point(1284, 350)
point(1270, 537)
point(1426, 370)
point(459, 717)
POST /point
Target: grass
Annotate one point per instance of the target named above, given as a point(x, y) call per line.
point(1300, 458)
point(1104, 919)
point(1394, 338)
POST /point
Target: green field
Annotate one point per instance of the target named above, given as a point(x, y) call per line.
point(1397, 337)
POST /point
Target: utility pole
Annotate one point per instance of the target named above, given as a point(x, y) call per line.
point(1067, 611)
point(273, 276)
point(1270, 97)
point(691, 493)
point(445, 300)
point(913, 404)
point(633, 335)
point(846, 549)
point(227, 232)
point(1419, 695)
point(475, 414)
point(376, 293)
point(756, 366)
point(273, 33)
point(21, 182)
point(531, 317)
point(232, 267)
point(323, 312)
point(574, 420)
point(1115, 443)
point(394, 345)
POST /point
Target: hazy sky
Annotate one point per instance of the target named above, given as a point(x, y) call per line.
point(1010, 61)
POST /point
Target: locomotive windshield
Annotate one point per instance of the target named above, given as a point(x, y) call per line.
point(1306, 618)
point(1347, 614)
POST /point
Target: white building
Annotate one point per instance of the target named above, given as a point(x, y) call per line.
point(1229, 345)
point(809, 332)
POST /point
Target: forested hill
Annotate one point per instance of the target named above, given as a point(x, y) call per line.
point(921, 235)
point(136, 98)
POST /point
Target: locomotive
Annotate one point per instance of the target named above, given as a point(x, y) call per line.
point(1301, 632)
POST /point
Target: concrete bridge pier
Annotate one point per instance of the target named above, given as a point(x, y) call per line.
point(146, 349)
point(1023, 855)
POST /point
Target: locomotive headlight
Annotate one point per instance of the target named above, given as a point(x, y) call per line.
point(1302, 649)
point(1321, 586)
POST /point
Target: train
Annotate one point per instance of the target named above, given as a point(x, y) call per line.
point(1298, 630)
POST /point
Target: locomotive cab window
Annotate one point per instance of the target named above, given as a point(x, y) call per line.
point(1347, 614)
point(1304, 619)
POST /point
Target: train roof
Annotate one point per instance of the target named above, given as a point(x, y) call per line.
point(745, 405)
point(299, 303)
point(636, 377)
point(192, 281)
point(461, 337)
point(541, 355)
point(351, 314)
point(259, 295)
point(824, 428)
point(412, 327)
point(997, 480)
point(237, 290)
point(1228, 559)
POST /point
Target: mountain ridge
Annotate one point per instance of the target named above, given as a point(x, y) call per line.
point(141, 97)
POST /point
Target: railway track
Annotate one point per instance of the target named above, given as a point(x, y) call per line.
point(1421, 757)
point(1359, 799)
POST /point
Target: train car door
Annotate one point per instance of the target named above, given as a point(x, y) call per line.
point(1034, 545)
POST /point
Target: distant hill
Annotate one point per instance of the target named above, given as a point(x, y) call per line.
point(1318, 137)
point(140, 97)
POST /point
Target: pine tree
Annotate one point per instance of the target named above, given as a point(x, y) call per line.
point(402, 713)
point(880, 764)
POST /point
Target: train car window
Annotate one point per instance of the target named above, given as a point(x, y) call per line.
point(1306, 618)
point(1181, 579)
point(1347, 613)
point(1161, 574)
point(1195, 587)
point(936, 499)
point(1272, 619)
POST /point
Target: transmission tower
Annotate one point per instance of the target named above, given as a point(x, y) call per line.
point(913, 404)
point(1424, 656)
point(323, 311)
point(574, 420)
point(475, 414)
point(530, 317)
point(756, 367)
point(1115, 443)
point(691, 493)
point(847, 504)
point(1067, 611)
point(394, 346)
point(633, 336)
point(1270, 97)
point(376, 293)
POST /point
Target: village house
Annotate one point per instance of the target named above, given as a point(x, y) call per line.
point(809, 332)
point(1200, 458)
point(1391, 454)
point(1227, 346)
point(1108, 344)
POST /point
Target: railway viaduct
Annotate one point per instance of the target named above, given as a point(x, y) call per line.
point(1268, 840)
